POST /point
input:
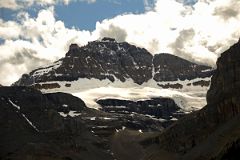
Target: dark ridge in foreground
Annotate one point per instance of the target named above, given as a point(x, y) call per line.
point(32, 128)
point(58, 126)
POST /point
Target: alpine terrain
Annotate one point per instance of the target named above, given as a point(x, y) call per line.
point(109, 100)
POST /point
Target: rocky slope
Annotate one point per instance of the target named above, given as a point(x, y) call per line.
point(32, 127)
point(107, 63)
point(164, 108)
point(60, 126)
point(209, 134)
point(108, 59)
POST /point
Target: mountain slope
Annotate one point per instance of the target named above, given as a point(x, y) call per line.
point(217, 130)
point(60, 126)
point(209, 134)
point(32, 127)
point(112, 60)
point(103, 64)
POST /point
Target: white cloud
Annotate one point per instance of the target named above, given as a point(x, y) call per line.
point(33, 42)
point(198, 33)
point(215, 24)
point(11, 4)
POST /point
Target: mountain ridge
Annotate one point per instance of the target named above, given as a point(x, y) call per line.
point(108, 59)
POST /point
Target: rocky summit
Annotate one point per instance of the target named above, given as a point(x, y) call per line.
point(108, 59)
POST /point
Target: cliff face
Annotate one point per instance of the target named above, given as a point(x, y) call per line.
point(225, 87)
point(211, 132)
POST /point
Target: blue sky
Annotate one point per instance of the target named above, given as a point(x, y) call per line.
point(84, 15)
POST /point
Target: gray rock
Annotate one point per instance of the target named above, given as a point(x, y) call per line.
point(108, 59)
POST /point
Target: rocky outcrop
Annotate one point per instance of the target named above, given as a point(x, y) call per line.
point(224, 91)
point(108, 59)
point(201, 83)
point(46, 86)
point(172, 68)
point(164, 108)
point(168, 85)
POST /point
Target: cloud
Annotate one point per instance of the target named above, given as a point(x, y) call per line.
point(181, 42)
point(230, 10)
point(199, 32)
point(114, 32)
point(33, 42)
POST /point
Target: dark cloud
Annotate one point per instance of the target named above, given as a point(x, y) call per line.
point(215, 47)
point(178, 45)
point(27, 58)
point(114, 32)
point(227, 12)
point(179, 48)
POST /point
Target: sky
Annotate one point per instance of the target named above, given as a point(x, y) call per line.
point(35, 33)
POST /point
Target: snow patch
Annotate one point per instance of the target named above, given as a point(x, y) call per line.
point(188, 97)
point(65, 105)
point(14, 105)
point(207, 70)
point(29, 122)
point(46, 70)
point(93, 118)
point(70, 113)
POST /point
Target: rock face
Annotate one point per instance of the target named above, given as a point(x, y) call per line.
point(164, 108)
point(108, 59)
point(224, 90)
point(32, 128)
point(213, 132)
point(172, 68)
point(60, 126)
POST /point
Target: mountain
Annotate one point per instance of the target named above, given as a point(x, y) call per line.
point(111, 60)
point(55, 126)
point(107, 63)
point(211, 133)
